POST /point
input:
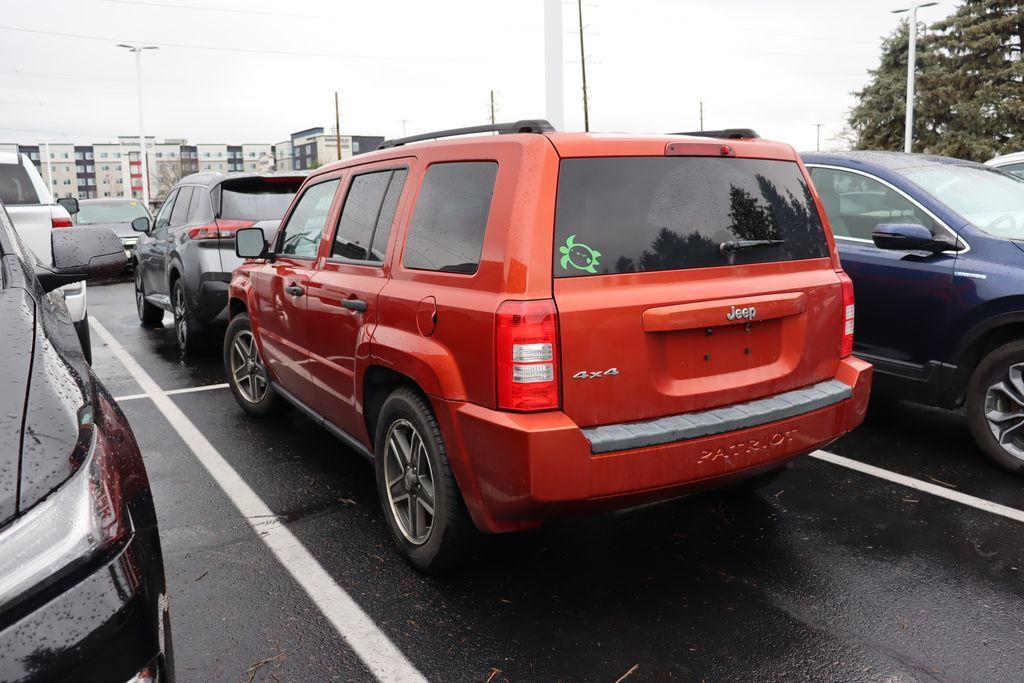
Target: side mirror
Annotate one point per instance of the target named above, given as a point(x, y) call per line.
point(250, 243)
point(70, 204)
point(82, 254)
point(910, 237)
point(141, 224)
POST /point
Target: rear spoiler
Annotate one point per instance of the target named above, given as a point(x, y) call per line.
point(726, 134)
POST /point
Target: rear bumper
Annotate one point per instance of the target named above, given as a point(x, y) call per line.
point(515, 470)
point(211, 301)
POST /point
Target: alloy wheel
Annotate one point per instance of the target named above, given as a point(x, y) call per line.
point(1004, 410)
point(247, 371)
point(140, 299)
point(410, 482)
point(180, 317)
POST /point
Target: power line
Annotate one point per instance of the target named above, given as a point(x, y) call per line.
point(220, 9)
point(278, 53)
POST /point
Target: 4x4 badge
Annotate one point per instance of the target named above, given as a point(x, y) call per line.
point(579, 256)
point(595, 374)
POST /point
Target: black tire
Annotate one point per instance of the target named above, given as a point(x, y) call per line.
point(450, 531)
point(188, 331)
point(270, 403)
point(1003, 366)
point(82, 329)
point(149, 314)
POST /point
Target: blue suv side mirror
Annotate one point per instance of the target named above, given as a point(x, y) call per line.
point(910, 237)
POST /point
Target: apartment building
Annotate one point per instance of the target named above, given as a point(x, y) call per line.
point(113, 169)
point(312, 148)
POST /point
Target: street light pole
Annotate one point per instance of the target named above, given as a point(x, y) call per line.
point(908, 126)
point(143, 165)
point(817, 135)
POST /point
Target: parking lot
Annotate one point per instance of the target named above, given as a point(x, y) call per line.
point(280, 566)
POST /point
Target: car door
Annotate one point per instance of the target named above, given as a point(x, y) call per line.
point(902, 297)
point(342, 296)
point(281, 286)
point(151, 249)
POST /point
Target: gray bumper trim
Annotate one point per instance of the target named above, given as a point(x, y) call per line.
point(620, 437)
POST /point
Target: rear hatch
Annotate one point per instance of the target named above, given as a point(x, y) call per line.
point(666, 306)
point(250, 201)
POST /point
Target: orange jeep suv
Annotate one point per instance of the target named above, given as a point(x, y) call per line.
point(520, 325)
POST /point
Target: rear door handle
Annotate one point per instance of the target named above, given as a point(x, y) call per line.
point(295, 290)
point(357, 305)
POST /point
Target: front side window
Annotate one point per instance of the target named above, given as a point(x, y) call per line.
point(991, 200)
point(369, 209)
point(447, 229)
point(633, 214)
point(857, 204)
point(300, 237)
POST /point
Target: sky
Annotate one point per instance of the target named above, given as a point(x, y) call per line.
point(235, 71)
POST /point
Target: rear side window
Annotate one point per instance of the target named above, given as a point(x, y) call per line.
point(200, 211)
point(631, 214)
point(257, 199)
point(15, 185)
point(366, 218)
point(447, 228)
point(179, 216)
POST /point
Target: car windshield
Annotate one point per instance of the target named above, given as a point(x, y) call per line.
point(15, 186)
point(991, 200)
point(119, 212)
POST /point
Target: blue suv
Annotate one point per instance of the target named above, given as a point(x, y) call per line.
point(935, 248)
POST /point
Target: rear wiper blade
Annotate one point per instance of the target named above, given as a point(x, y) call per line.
point(736, 245)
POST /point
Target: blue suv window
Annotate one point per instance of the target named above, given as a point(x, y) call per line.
point(857, 204)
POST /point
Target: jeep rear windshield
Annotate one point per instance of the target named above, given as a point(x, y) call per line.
point(631, 214)
point(257, 199)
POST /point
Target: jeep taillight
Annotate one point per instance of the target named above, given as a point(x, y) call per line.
point(61, 222)
point(846, 348)
point(527, 355)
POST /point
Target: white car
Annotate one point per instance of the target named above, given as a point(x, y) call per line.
point(1011, 163)
point(34, 213)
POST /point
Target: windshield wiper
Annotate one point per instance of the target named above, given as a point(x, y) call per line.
point(736, 245)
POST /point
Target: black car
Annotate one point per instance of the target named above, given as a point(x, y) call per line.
point(184, 259)
point(82, 589)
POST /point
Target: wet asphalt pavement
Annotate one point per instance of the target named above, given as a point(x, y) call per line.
point(827, 574)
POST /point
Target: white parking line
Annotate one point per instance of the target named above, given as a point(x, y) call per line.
point(171, 392)
point(370, 644)
point(923, 486)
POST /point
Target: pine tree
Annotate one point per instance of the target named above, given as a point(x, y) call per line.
point(969, 101)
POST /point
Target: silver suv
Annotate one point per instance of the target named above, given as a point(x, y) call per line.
point(184, 258)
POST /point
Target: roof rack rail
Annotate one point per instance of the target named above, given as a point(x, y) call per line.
point(523, 126)
point(726, 134)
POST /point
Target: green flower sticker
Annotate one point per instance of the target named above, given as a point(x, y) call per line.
point(579, 256)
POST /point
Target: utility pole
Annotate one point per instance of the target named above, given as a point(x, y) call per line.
point(49, 169)
point(554, 100)
point(817, 134)
point(143, 164)
point(403, 122)
point(492, 107)
point(583, 67)
point(908, 128)
point(702, 115)
point(337, 124)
